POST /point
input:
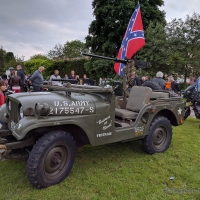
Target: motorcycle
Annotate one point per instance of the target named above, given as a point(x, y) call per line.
point(192, 97)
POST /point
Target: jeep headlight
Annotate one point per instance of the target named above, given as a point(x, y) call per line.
point(42, 109)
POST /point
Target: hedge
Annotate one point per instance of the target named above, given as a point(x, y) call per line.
point(65, 67)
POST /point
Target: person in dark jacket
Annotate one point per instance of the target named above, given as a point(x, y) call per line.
point(12, 71)
point(21, 74)
point(174, 85)
point(15, 83)
point(135, 80)
point(159, 80)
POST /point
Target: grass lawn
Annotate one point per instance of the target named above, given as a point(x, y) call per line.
point(119, 171)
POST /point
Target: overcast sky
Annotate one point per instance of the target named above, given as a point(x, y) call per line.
point(29, 27)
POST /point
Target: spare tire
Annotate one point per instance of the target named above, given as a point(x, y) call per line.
point(152, 85)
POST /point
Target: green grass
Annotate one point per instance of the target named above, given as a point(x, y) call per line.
point(119, 171)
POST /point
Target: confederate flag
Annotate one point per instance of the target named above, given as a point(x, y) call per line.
point(133, 39)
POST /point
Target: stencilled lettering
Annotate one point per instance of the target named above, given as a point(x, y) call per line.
point(103, 120)
point(72, 103)
point(109, 125)
point(104, 134)
point(71, 107)
point(70, 110)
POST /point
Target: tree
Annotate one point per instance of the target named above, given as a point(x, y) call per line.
point(9, 56)
point(13, 61)
point(2, 59)
point(155, 50)
point(38, 56)
point(74, 49)
point(34, 63)
point(112, 17)
point(7, 59)
point(184, 45)
point(57, 52)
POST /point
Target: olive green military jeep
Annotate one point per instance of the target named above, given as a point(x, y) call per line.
point(50, 125)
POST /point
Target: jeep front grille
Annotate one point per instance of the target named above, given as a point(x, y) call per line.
point(13, 110)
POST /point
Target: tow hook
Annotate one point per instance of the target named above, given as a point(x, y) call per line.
point(3, 151)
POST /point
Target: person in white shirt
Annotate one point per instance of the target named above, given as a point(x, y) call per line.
point(55, 76)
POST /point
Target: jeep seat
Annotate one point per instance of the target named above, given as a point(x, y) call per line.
point(138, 97)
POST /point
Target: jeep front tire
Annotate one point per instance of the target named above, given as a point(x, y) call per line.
point(159, 136)
point(51, 159)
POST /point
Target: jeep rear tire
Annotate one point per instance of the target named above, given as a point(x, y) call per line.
point(51, 159)
point(152, 85)
point(159, 136)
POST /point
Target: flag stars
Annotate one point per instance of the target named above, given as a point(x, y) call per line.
point(133, 33)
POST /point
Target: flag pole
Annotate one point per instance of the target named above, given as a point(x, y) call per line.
point(124, 85)
point(127, 72)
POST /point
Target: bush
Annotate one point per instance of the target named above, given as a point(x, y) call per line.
point(64, 67)
point(34, 64)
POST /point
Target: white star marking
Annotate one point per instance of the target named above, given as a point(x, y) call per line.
point(179, 111)
point(135, 34)
point(126, 39)
point(129, 29)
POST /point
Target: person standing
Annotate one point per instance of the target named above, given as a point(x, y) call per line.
point(21, 74)
point(66, 76)
point(55, 76)
point(85, 80)
point(12, 71)
point(5, 79)
point(159, 80)
point(135, 80)
point(15, 83)
point(142, 79)
point(37, 79)
point(174, 85)
point(72, 76)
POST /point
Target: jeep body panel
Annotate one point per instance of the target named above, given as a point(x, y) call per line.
point(92, 112)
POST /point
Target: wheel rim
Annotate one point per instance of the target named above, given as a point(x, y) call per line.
point(56, 161)
point(160, 137)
